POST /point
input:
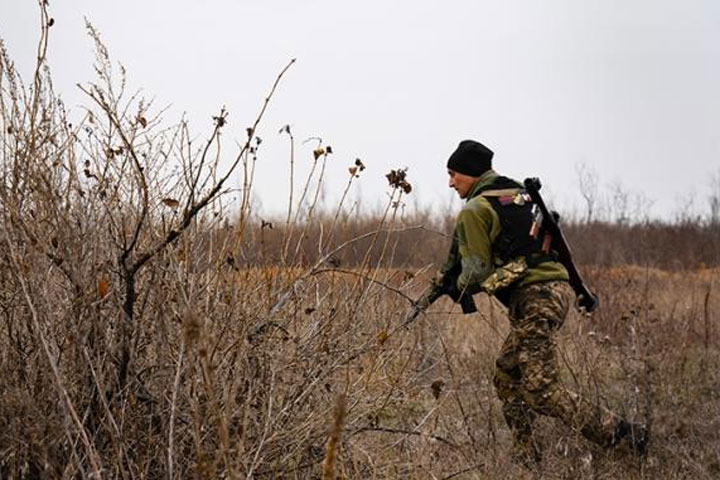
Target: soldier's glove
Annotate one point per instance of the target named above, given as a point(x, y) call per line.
point(449, 287)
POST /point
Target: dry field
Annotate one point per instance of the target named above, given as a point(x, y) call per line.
point(151, 329)
point(223, 387)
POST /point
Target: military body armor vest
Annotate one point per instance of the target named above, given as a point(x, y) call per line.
point(514, 208)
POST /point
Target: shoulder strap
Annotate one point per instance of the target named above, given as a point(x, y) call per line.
point(501, 183)
point(502, 192)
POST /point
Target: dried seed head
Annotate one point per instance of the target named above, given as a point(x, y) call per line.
point(220, 120)
point(397, 179)
point(318, 152)
point(437, 388)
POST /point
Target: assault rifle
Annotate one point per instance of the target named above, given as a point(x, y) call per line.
point(446, 285)
point(547, 224)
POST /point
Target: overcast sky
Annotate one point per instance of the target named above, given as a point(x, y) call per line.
point(628, 88)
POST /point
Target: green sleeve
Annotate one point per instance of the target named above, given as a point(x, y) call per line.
point(477, 226)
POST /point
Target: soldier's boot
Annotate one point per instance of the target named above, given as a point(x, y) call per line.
point(525, 452)
point(520, 418)
point(637, 436)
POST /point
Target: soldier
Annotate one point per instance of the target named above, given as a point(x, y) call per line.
point(496, 254)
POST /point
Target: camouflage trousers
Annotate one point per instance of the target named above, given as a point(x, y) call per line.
point(526, 377)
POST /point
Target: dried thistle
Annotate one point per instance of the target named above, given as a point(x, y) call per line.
point(397, 179)
point(437, 388)
point(221, 119)
point(356, 168)
point(318, 152)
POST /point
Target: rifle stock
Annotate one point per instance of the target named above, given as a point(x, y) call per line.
point(586, 299)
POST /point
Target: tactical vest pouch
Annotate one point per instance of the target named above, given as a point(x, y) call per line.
point(504, 276)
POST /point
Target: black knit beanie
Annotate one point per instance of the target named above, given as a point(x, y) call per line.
point(471, 158)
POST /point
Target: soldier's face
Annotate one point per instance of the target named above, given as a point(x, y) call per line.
point(460, 182)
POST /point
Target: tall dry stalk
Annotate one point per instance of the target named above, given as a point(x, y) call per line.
point(339, 413)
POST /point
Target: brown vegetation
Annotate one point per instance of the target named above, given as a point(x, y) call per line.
point(148, 333)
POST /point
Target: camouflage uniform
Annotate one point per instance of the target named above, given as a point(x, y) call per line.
point(526, 376)
point(526, 379)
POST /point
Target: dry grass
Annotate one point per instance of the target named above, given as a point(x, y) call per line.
point(144, 336)
point(222, 388)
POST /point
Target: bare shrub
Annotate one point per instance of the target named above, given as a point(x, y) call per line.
point(151, 331)
point(588, 183)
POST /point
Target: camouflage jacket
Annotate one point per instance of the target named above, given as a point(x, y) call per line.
point(477, 227)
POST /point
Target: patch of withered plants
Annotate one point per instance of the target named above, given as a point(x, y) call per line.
point(152, 327)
